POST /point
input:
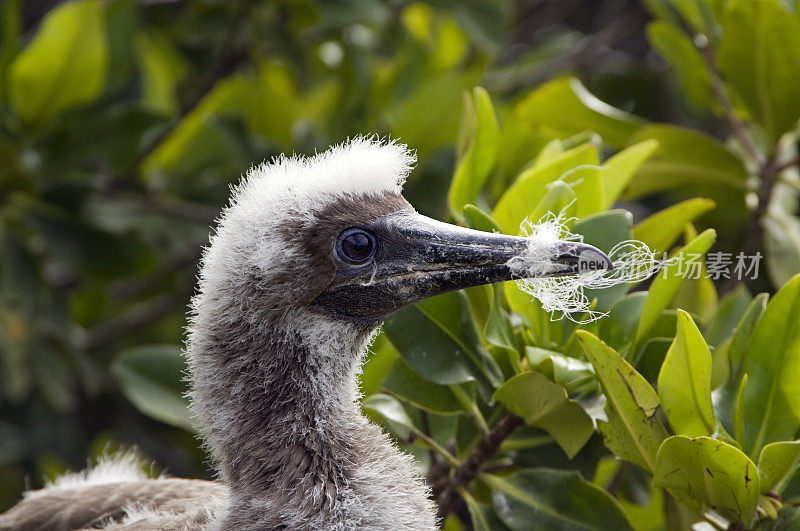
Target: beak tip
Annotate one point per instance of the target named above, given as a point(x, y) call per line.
point(591, 258)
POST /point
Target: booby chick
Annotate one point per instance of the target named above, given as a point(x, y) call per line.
point(307, 260)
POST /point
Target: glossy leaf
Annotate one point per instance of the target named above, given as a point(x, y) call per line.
point(405, 384)
point(633, 431)
point(430, 351)
point(390, 410)
point(545, 404)
point(772, 403)
point(731, 308)
point(776, 462)
point(758, 56)
point(64, 66)
point(669, 279)
point(660, 230)
point(621, 168)
point(567, 107)
point(550, 499)
point(151, 377)
point(684, 383)
point(711, 471)
point(477, 162)
point(526, 192)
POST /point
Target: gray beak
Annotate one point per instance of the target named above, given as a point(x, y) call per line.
point(419, 257)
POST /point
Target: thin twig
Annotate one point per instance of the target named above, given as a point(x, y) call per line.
point(469, 468)
point(721, 94)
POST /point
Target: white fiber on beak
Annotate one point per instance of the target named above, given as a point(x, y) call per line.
point(565, 295)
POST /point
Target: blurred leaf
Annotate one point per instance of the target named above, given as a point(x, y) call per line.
point(428, 117)
point(782, 244)
point(565, 106)
point(758, 56)
point(477, 162)
point(548, 499)
point(521, 198)
point(710, 471)
point(660, 230)
point(684, 58)
point(195, 143)
point(772, 400)
point(684, 383)
point(161, 67)
point(11, 19)
point(545, 404)
point(64, 65)
point(776, 461)
point(669, 279)
point(622, 167)
point(151, 377)
point(633, 432)
point(685, 158)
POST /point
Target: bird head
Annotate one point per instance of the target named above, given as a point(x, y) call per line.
point(331, 234)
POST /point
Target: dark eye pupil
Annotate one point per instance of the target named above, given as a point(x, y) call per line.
point(357, 246)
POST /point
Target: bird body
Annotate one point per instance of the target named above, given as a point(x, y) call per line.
point(307, 260)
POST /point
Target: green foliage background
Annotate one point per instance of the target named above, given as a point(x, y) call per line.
point(123, 123)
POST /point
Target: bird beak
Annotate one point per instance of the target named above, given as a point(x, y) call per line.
point(419, 257)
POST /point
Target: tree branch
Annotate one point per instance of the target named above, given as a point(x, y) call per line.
point(721, 94)
point(469, 468)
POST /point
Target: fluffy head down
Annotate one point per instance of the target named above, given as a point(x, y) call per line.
point(283, 217)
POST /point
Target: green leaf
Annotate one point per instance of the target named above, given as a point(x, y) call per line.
point(528, 190)
point(604, 230)
point(731, 308)
point(65, 65)
point(161, 67)
point(451, 312)
point(660, 230)
point(684, 159)
point(151, 377)
point(668, 280)
point(545, 404)
point(772, 400)
point(776, 462)
point(479, 220)
point(391, 411)
point(621, 168)
point(684, 383)
point(549, 499)
point(684, 58)
point(710, 471)
point(758, 56)
point(782, 243)
point(430, 351)
point(565, 106)
point(407, 385)
point(633, 432)
point(477, 162)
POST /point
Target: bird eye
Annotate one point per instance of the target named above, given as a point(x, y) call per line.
point(355, 246)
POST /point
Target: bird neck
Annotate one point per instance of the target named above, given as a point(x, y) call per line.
point(280, 412)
